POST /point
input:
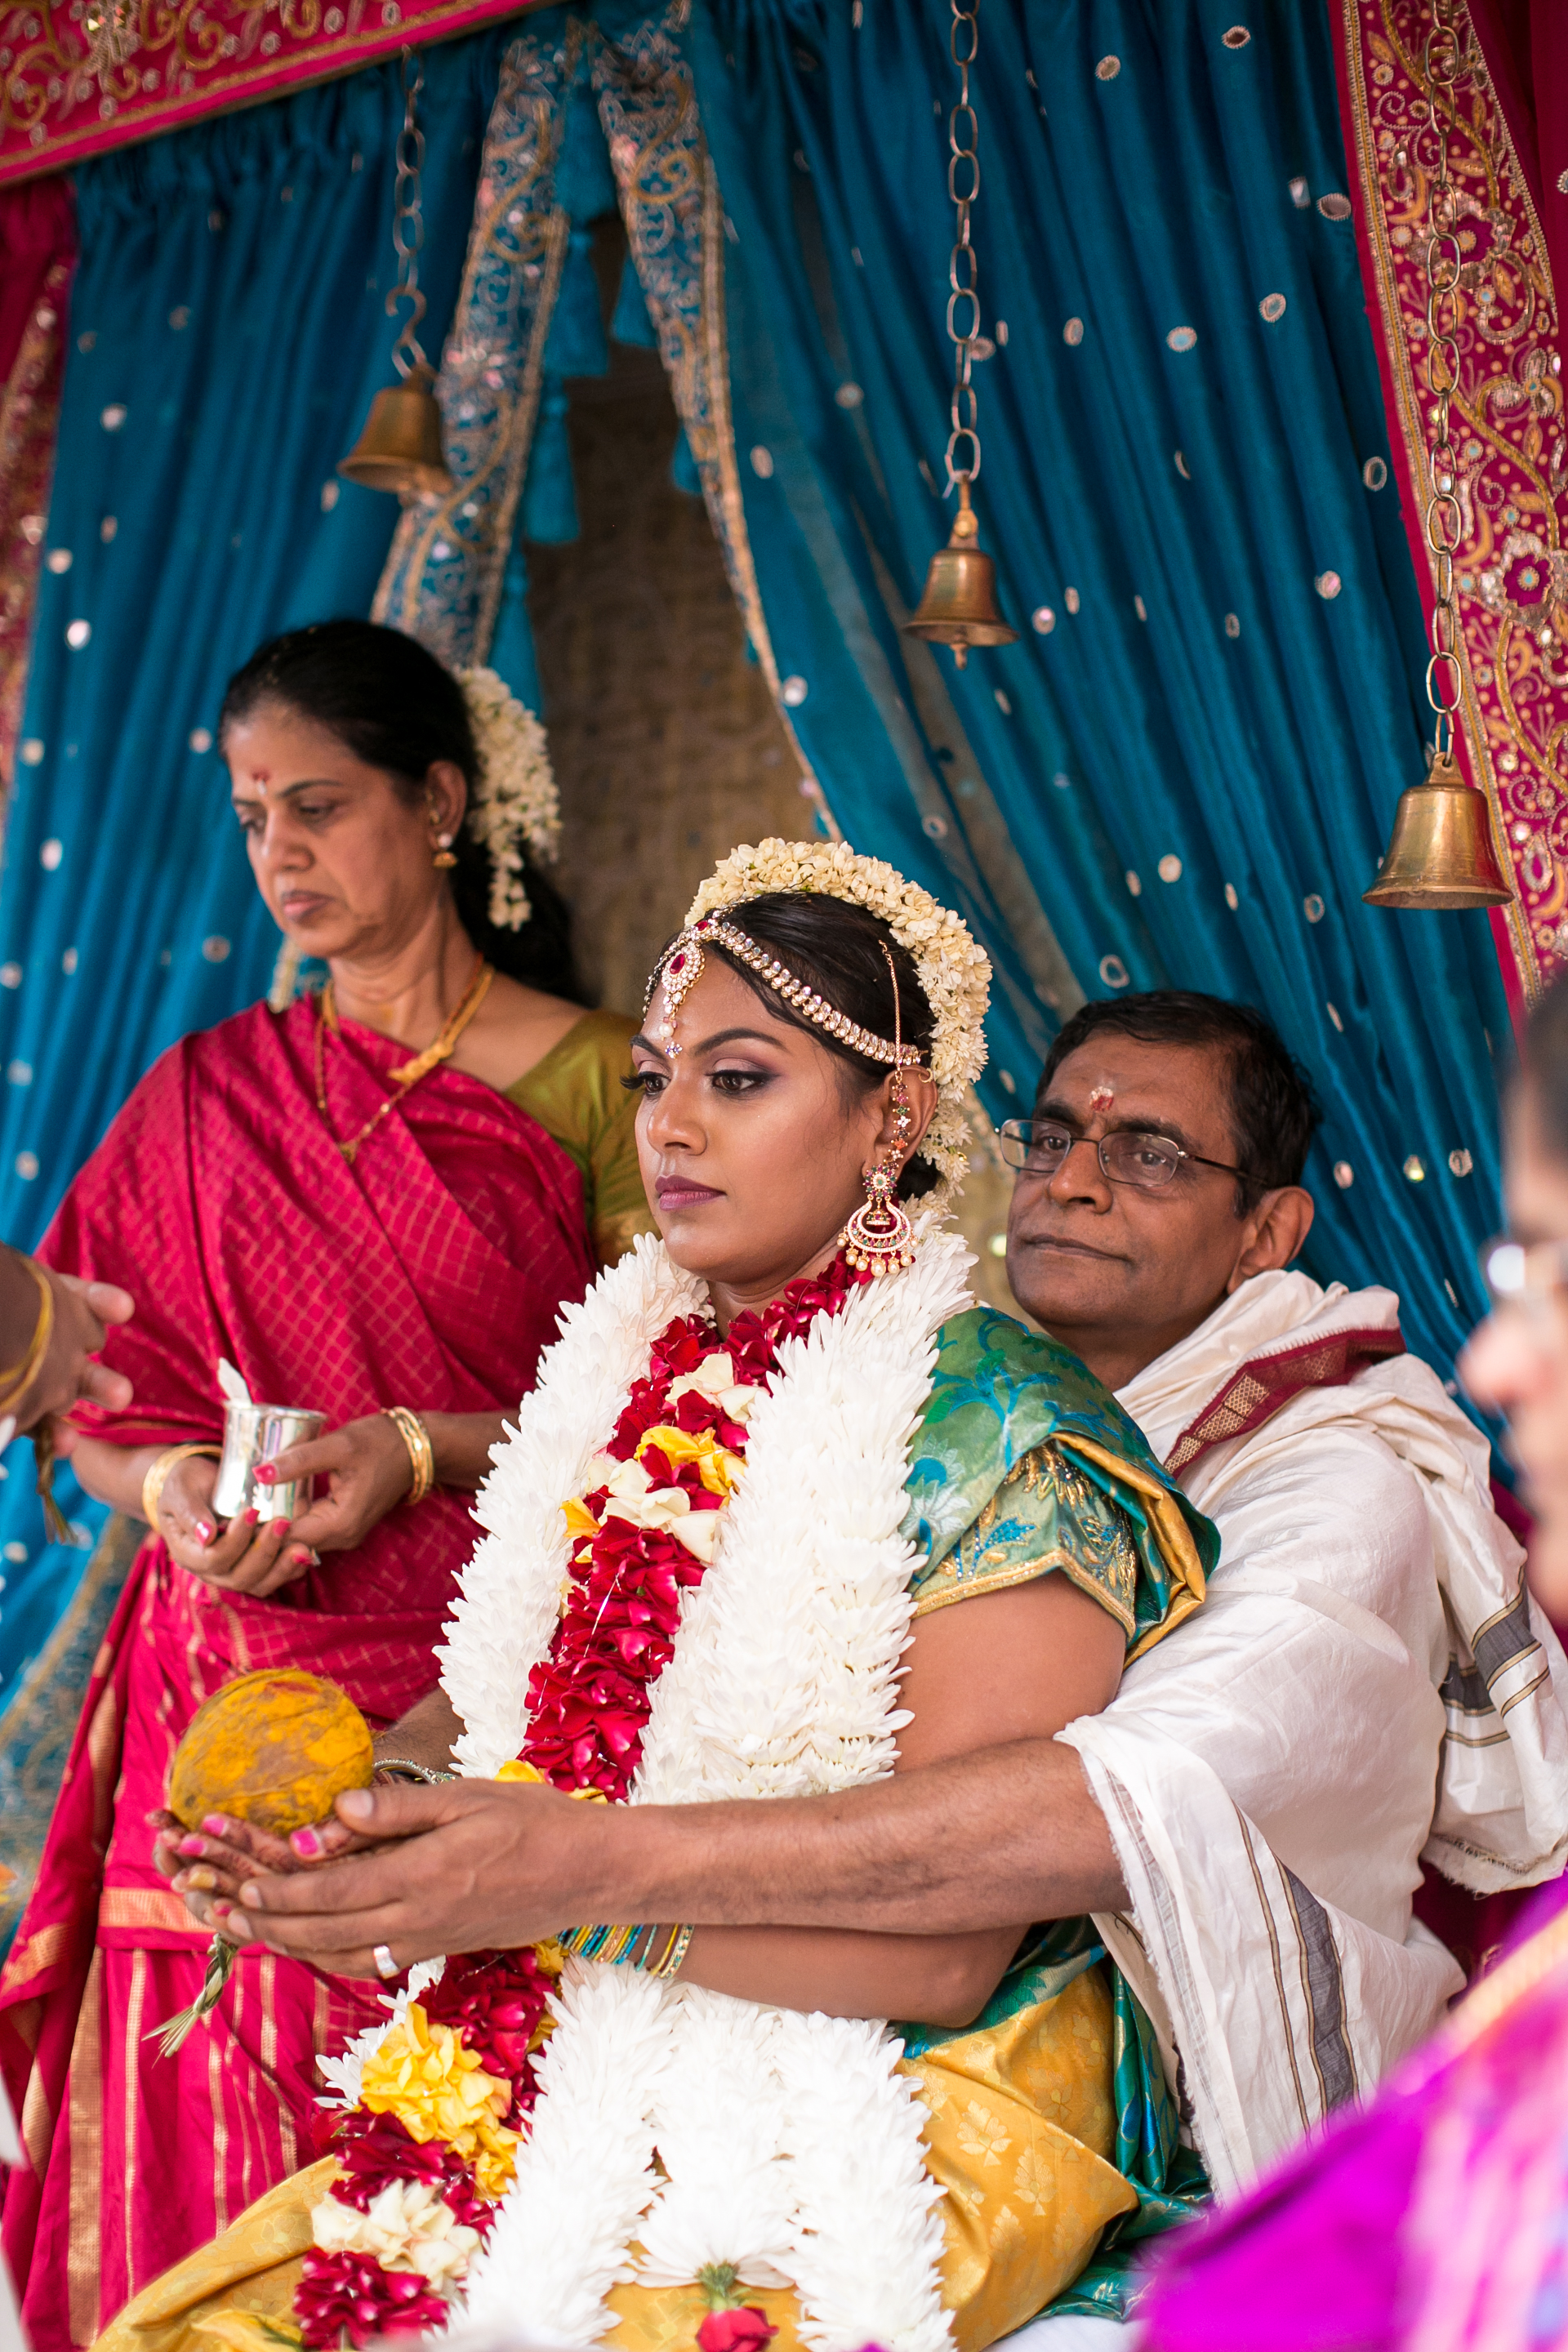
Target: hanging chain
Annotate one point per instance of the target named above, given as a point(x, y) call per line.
point(408, 220)
point(1442, 65)
point(962, 269)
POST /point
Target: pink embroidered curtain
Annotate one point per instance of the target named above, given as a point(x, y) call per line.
point(1507, 147)
point(37, 251)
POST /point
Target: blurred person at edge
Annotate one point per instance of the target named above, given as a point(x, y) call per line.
point(61, 1322)
point(1437, 2218)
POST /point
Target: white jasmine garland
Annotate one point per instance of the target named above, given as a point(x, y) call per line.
point(514, 797)
point(954, 972)
point(783, 1680)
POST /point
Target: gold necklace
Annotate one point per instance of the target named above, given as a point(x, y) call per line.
point(410, 1073)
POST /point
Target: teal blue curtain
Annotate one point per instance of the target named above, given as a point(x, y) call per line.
point(227, 331)
point(1196, 746)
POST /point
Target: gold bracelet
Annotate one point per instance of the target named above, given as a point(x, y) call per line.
point(15, 1384)
point(421, 1453)
point(671, 1961)
point(158, 1470)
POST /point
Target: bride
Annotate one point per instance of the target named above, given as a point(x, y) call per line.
point(766, 1457)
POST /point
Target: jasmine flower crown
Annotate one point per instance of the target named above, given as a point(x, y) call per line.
point(954, 972)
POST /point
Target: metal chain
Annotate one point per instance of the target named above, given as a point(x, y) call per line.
point(1442, 65)
point(408, 220)
point(962, 269)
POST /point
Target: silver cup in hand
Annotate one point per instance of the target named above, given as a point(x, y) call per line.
point(253, 1434)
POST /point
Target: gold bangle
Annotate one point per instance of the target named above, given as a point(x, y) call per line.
point(158, 1470)
point(421, 1453)
point(674, 1954)
point(15, 1384)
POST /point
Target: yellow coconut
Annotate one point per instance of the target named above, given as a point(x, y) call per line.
point(275, 1748)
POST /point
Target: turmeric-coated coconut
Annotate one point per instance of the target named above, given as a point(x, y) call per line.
point(275, 1748)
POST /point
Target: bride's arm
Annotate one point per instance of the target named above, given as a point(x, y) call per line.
point(1013, 1664)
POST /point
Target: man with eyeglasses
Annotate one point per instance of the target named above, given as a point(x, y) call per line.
point(1368, 1685)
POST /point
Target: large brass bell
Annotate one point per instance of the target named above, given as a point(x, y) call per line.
point(959, 607)
point(400, 448)
point(1441, 852)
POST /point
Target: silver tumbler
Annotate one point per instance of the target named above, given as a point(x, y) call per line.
point(254, 1433)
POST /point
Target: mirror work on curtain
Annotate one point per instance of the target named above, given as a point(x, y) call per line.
point(227, 331)
point(1184, 771)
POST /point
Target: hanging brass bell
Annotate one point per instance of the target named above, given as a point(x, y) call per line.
point(1441, 852)
point(959, 607)
point(400, 448)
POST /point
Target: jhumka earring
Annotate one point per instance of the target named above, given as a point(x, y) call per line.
point(446, 856)
point(879, 1238)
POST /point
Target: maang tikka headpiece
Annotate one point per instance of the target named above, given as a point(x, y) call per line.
point(878, 1237)
point(679, 969)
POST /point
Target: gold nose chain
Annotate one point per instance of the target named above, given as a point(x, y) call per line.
point(409, 1075)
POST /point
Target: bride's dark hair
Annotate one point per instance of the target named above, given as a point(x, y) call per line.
point(390, 702)
point(842, 950)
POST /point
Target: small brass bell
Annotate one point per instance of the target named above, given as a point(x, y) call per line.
point(1441, 852)
point(959, 607)
point(400, 448)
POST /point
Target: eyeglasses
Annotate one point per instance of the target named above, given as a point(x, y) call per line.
point(1040, 1147)
point(1524, 1273)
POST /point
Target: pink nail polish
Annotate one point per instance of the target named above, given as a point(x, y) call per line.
point(281, 1527)
point(265, 1474)
point(214, 1824)
point(300, 1557)
point(194, 1846)
point(251, 1518)
point(205, 1531)
point(307, 1843)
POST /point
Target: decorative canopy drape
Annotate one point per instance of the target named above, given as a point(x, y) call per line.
point(227, 331)
point(1184, 771)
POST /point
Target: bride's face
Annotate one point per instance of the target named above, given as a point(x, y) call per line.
point(753, 1140)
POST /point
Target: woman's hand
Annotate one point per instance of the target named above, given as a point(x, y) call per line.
point(210, 1865)
point(448, 1877)
point(245, 1557)
point(370, 1472)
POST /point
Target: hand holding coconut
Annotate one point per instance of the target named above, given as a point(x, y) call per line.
point(276, 1749)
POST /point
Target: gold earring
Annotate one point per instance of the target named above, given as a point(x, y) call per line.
point(445, 856)
point(880, 1237)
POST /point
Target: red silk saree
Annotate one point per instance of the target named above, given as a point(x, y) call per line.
point(428, 1274)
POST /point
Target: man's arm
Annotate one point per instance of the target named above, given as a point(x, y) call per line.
point(1005, 1835)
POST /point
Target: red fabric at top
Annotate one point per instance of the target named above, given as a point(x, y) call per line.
point(37, 228)
point(1525, 45)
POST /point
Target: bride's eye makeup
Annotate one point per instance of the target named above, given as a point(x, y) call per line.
point(737, 1083)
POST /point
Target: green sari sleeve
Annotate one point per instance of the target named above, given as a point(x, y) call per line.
point(1024, 1465)
point(575, 1093)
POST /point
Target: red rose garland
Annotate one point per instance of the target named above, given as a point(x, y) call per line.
point(589, 1699)
point(589, 1702)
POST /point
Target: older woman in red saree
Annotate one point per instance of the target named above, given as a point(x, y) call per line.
point(356, 1231)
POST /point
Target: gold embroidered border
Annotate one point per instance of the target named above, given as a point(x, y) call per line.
point(1511, 567)
point(674, 216)
point(1029, 1571)
point(444, 573)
